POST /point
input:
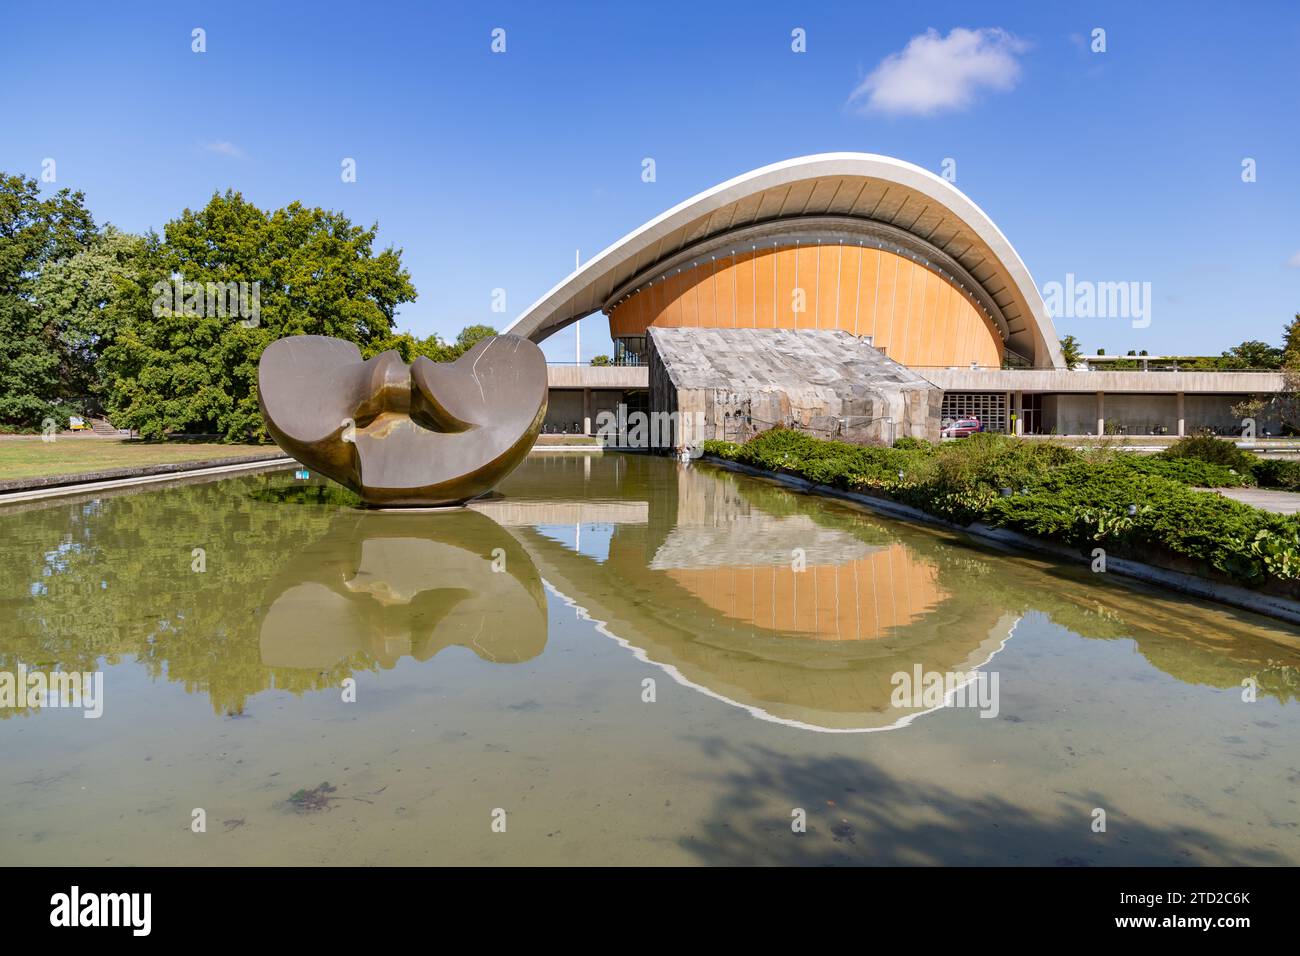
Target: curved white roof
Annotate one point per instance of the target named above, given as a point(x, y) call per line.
point(863, 186)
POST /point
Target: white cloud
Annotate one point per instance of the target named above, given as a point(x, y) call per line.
point(935, 73)
point(223, 148)
point(1294, 261)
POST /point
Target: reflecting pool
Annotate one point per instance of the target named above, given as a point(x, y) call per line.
point(626, 660)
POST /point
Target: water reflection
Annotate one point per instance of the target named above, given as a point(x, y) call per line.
point(795, 609)
point(797, 620)
point(389, 585)
point(801, 611)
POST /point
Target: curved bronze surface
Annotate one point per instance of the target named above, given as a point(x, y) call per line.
point(427, 434)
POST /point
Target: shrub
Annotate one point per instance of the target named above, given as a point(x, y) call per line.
point(722, 449)
point(1060, 494)
point(908, 443)
point(1214, 450)
point(1277, 473)
point(1186, 471)
point(1090, 503)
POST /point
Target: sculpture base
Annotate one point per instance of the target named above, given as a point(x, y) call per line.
point(432, 509)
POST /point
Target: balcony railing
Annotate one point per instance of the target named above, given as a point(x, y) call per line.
point(628, 361)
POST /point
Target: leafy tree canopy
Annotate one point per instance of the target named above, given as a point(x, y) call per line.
point(471, 335)
point(1253, 354)
point(220, 285)
point(34, 231)
point(1291, 344)
point(74, 295)
point(1071, 351)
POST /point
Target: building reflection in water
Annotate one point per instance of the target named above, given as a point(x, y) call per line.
point(798, 616)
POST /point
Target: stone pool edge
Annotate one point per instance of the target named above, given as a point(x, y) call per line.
point(33, 489)
point(1269, 605)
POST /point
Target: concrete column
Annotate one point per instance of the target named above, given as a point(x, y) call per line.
point(1010, 408)
point(1020, 413)
point(586, 411)
point(1101, 414)
point(1181, 422)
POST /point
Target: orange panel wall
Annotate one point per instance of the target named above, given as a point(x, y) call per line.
point(915, 315)
point(860, 600)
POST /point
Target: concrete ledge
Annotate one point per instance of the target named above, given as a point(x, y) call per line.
point(1269, 605)
point(28, 489)
point(1063, 380)
point(597, 376)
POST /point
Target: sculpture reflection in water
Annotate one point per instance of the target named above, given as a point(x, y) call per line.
point(391, 585)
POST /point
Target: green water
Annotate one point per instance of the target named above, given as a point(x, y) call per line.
point(625, 660)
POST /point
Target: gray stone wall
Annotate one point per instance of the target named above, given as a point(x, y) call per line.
point(734, 383)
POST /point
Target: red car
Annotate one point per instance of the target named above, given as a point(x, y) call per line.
point(962, 427)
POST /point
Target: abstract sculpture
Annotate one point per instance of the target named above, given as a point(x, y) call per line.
point(426, 434)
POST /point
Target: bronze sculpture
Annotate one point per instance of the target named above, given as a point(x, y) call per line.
point(428, 434)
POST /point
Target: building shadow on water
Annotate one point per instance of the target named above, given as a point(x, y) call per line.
point(858, 814)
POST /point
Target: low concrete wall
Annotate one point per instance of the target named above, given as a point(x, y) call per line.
point(597, 376)
point(136, 471)
point(128, 477)
point(1063, 380)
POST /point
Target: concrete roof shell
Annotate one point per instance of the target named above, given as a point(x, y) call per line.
point(897, 195)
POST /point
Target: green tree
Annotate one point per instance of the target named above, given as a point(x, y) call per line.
point(34, 232)
point(471, 335)
point(1291, 343)
point(74, 295)
point(410, 346)
point(600, 360)
point(1071, 351)
point(1252, 354)
point(184, 359)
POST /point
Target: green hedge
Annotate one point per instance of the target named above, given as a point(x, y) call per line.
point(1277, 473)
point(1187, 471)
point(1207, 448)
point(1054, 492)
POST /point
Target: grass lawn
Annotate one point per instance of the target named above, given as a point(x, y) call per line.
point(33, 458)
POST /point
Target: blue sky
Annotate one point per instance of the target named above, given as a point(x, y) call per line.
point(489, 170)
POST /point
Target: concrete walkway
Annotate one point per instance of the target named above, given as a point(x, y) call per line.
point(1278, 502)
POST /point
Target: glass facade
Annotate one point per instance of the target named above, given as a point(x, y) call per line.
point(989, 407)
point(629, 350)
